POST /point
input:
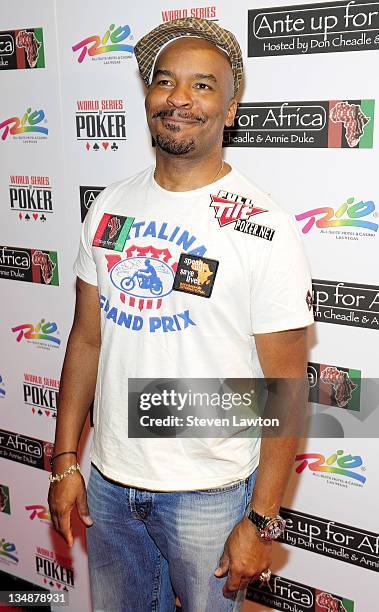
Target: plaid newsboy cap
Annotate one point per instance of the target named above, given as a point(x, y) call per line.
point(148, 47)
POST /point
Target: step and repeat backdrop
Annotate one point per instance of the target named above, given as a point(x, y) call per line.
point(71, 122)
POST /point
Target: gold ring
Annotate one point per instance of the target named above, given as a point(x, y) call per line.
point(265, 576)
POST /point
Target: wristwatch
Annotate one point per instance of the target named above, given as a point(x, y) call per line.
point(269, 527)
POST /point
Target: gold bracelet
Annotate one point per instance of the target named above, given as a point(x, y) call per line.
point(69, 470)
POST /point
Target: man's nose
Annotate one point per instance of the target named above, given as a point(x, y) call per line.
point(180, 96)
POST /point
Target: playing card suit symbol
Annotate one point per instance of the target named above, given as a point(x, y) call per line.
point(43, 218)
point(105, 145)
point(96, 147)
point(88, 146)
point(54, 416)
point(35, 216)
point(47, 412)
point(40, 412)
point(33, 410)
point(114, 147)
point(27, 217)
point(58, 585)
point(20, 216)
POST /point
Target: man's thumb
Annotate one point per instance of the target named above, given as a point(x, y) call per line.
point(83, 510)
point(223, 566)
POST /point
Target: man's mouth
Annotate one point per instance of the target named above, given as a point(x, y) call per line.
point(170, 117)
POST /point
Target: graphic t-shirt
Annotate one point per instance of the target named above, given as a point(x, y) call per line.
point(242, 272)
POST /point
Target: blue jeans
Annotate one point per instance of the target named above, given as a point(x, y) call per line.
point(145, 547)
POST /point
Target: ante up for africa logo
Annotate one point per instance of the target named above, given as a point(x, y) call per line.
point(22, 49)
point(28, 123)
point(112, 42)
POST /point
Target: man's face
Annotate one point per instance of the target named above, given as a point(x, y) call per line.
point(190, 99)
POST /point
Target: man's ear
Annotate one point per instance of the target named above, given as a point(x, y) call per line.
point(231, 112)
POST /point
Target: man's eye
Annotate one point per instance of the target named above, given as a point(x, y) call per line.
point(164, 82)
point(202, 86)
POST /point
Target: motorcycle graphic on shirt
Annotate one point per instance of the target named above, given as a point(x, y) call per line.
point(143, 277)
point(147, 278)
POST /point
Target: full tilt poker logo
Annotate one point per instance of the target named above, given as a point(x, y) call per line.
point(321, 124)
point(31, 198)
point(100, 124)
point(22, 49)
point(283, 594)
point(231, 208)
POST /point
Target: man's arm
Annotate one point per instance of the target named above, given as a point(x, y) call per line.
point(76, 393)
point(246, 555)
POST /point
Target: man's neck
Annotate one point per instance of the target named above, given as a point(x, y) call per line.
point(180, 174)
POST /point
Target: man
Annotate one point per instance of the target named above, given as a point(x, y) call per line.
point(172, 516)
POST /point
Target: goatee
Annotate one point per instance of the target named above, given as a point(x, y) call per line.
point(172, 146)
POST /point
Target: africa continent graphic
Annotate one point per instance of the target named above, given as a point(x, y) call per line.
point(28, 41)
point(353, 119)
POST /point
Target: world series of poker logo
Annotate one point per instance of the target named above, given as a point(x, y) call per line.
point(313, 28)
point(197, 12)
point(31, 198)
point(331, 539)
point(101, 124)
point(22, 49)
point(320, 124)
point(54, 570)
point(280, 593)
point(40, 395)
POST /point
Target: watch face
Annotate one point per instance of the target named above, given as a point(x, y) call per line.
point(274, 529)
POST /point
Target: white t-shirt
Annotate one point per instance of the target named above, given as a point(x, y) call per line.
point(131, 242)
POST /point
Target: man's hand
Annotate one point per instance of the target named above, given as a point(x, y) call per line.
point(63, 495)
point(245, 556)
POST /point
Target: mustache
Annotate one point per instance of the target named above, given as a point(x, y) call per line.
point(170, 112)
